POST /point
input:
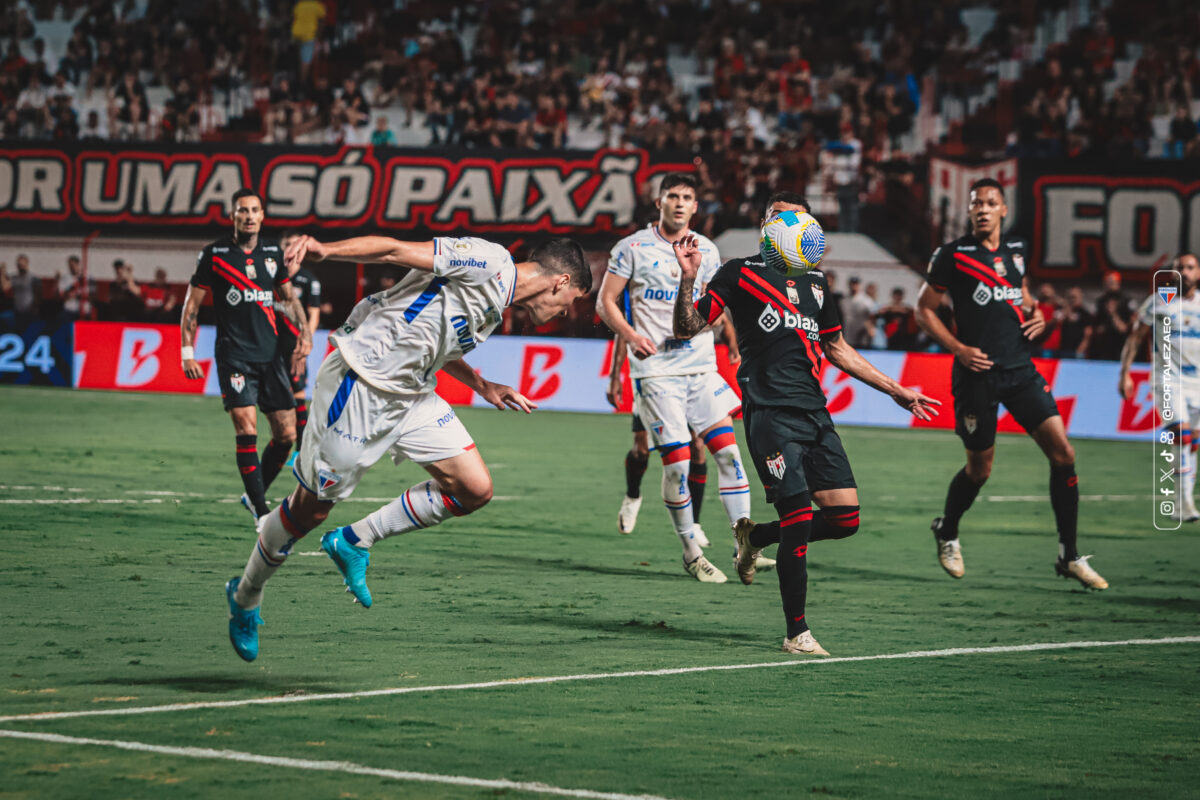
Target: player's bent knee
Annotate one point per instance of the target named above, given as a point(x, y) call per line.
point(979, 472)
point(1063, 456)
point(471, 494)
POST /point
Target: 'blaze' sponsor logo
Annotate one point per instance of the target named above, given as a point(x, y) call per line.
point(770, 319)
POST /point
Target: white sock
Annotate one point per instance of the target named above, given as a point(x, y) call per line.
point(734, 486)
point(422, 506)
point(1187, 474)
point(270, 551)
point(678, 501)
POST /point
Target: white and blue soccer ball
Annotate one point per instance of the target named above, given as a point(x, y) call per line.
point(792, 242)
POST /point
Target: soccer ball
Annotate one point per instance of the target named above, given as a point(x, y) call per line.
point(792, 242)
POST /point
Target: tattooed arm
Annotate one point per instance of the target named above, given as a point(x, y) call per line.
point(188, 324)
point(687, 320)
point(291, 308)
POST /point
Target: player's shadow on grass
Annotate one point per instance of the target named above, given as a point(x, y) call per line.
point(574, 566)
point(639, 627)
point(1183, 605)
point(218, 684)
point(842, 570)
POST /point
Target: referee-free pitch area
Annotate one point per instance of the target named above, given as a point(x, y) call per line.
point(120, 528)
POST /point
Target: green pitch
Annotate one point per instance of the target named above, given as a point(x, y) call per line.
point(119, 605)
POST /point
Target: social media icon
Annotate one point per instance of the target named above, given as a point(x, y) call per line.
point(1166, 508)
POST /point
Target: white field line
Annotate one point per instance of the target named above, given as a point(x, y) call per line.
point(325, 766)
point(597, 676)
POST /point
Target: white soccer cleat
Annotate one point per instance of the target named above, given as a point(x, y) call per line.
point(1081, 571)
point(763, 563)
point(703, 570)
point(1190, 514)
point(804, 645)
point(698, 535)
point(627, 516)
point(949, 552)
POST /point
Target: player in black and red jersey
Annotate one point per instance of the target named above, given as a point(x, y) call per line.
point(784, 326)
point(308, 289)
point(244, 272)
point(995, 316)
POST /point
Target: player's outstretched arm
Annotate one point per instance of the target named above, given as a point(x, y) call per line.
point(497, 394)
point(1133, 346)
point(363, 250)
point(189, 322)
point(928, 301)
point(843, 356)
point(292, 308)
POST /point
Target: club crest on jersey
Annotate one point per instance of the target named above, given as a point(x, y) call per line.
point(970, 423)
point(1018, 262)
point(998, 265)
point(238, 381)
point(251, 272)
point(325, 479)
point(793, 295)
point(657, 427)
point(233, 296)
point(776, 465)
point(819, 293)
point(271, 266)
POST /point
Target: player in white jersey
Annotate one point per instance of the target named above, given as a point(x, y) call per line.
point(1184, 312)
point(677, 389)
point(374, 396)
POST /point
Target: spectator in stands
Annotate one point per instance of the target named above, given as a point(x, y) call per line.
point(24, 290)
point(1110, 327)
point(124, 295)
point(1182, 133)
point(307, 18)
point(843, 162)
point(1076, 326)
point(94, 127)
point(1051, 307)
point(858, 316)
point(899, 322)
point(159, 299)
point(358, 110)
point(550, 123)
point(130, 108)
point(74, 292)
point(382, 135)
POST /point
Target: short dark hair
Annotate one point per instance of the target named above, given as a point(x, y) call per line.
point(559, 255)
point(244, 192)
point(673, 179)
point(792, 198)
point(1181, 256)
point(984, 183)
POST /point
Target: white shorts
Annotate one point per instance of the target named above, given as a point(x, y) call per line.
point(672, 407)
point(351, 425)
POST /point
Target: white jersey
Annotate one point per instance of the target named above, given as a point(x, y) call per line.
point(1185, 324)
point(647, 261)
point(397, 340)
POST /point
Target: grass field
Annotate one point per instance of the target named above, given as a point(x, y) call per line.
point(119, 606)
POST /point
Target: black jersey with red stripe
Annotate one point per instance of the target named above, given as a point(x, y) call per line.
point(780, 320)
point(242, 285)
point(985, 290)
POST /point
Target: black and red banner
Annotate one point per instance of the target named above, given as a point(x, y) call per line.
point(1083, 217)
point(182, 189)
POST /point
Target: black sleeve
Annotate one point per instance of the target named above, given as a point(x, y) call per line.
point(203, 276)
point(941, 268)
point(829, 320)
point(718, 293)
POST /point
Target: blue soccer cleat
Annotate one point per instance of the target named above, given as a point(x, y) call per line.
point(351, 561)
point(243, 625)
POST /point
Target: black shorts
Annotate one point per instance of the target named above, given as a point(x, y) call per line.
point(255, 383)
point(977, 396)
point(796, 450)
point(638, 427)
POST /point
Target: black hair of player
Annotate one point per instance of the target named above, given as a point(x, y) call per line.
point(561, 255)
point(244, 192)
point(984, 183)
point(791, 198)
point(1179, 259)
point(673, 179)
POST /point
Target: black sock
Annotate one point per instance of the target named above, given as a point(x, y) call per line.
point(1064, 497)
point(795, 524)
point(301, 422)
point(274, 456)
point(765, 533)
point(697, 477)
point(835, 522)
point(962, 493)
point(635, 468)
point(247, 461)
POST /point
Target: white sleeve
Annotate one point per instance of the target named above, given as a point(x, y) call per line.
point(1146, 311)
point(468, 260)
point(620, 260)
point(710, 264)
